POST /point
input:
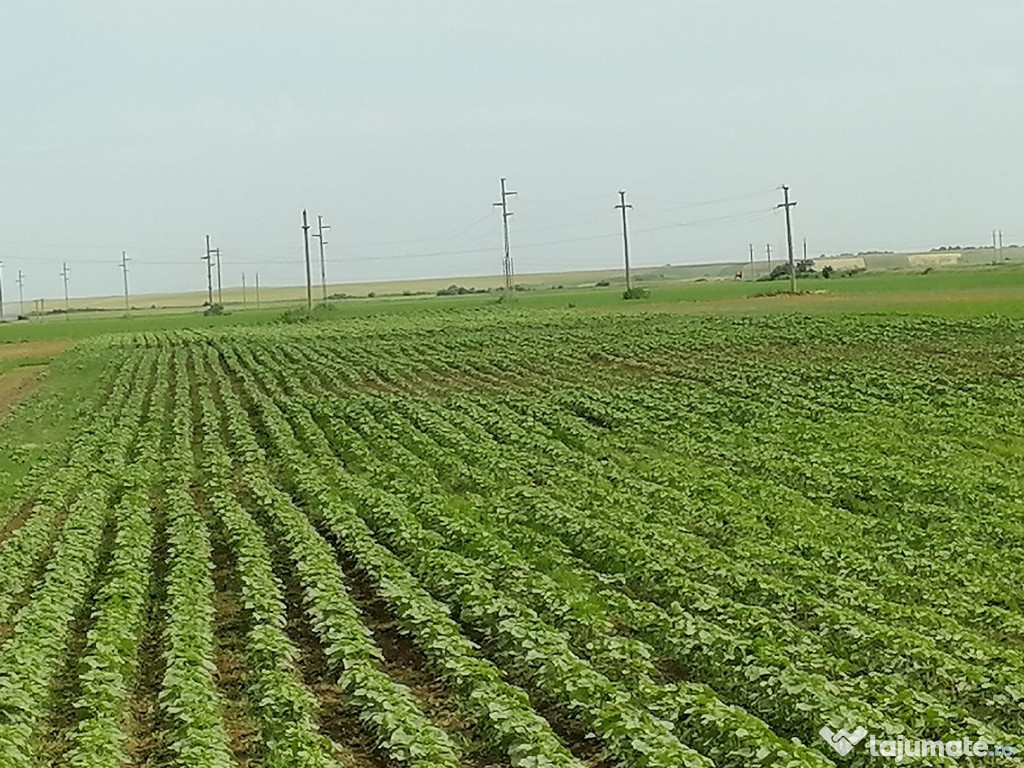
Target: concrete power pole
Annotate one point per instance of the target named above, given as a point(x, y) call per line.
point(319, 235)
point(220, 291)
point(124, 269)
point(309, 277)
point(768, 250)
point(789, 236)
point(21, 293)
point(507, 263)
point(67, 304)
point(751, 261)
point(209, 272)
point(622, 206)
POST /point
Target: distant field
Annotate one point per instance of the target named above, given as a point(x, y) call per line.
point(963, 292)
point(648, 275)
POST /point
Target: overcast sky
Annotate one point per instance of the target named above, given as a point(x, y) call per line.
point(144, 126)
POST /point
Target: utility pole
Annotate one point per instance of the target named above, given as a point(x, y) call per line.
point(257, 290)
point(220, 292)
point(209, 272)
point(64, 273)
point(789, 237)
point(319, 235)
point(507, 263)
point(751, 261)
point(622, 206)
point(21, 292)
point(768, 250)
point(309, 279)
point(1000, 245)
point(124, 268)
point(1, 292)
point(805, 249)
point(243, 289)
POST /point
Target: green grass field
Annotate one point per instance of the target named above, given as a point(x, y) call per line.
point(562, 530)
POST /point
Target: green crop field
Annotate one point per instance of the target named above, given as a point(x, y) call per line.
point(560, 531)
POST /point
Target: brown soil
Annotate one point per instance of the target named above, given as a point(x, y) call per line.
point(28, 350)
point(18, 384)
point(230, 631)
point(23, 514)
point(353, 744)
point(405, 664)
point(145, 728)
point(59, 727)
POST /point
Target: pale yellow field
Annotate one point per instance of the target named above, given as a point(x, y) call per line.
point(668, 273)
point(284, 294)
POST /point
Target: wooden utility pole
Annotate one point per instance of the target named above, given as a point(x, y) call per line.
point(319, 235)
point(507, 263)
point(768, 250)
point(789, 236)
point(622, 206)
point(124, 268)
point(309, 277)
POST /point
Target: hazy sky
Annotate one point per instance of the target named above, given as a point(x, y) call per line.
point(144, 126)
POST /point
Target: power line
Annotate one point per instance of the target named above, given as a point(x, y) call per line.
point(507, 263)
point(715, 201)
point(750, 215)
point(398, 256)
point(458, 234)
